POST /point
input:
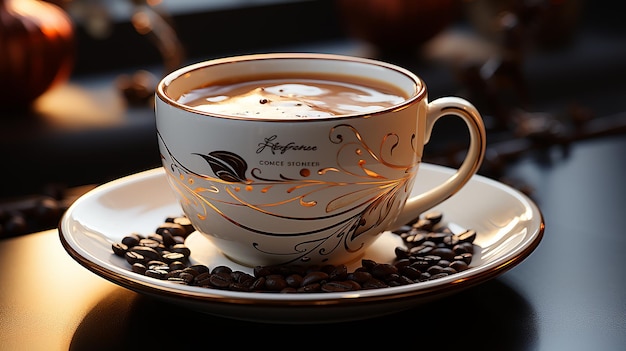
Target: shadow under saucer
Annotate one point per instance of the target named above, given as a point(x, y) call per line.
point(490, 316)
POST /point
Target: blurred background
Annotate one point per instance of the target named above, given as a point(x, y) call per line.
point(77, 77)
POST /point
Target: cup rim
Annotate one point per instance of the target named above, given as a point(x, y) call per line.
point(161, 94)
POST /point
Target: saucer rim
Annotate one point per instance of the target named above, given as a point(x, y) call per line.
point(197, 296)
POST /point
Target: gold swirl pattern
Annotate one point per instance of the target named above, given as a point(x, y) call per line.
point(370, 182)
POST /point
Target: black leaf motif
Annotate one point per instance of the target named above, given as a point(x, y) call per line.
point(227, 166)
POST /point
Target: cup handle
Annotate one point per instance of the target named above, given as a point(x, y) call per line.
point(473, 159)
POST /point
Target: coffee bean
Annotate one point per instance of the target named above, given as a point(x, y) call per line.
point(275, 282)
point(119, 249)
point(156, 273)
point(131, 239)
point(294, 280)
point(431, 251)
point(410, 272)
point(467, 236)
point(148, 252)
point(133, 257)
point(147, 242)
point(138, 267)
point(311, 288)
point(340, 272)
point(315, 277)
point(459, 265)
point(242, 277)
point(220, 280)
point(383, 270)
point(177, 265)
point(434, 216)
point(174, 229)
point(443, 252)
point(337, 286)
point(360, 276)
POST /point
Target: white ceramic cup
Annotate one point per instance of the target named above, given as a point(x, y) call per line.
point(324, 203)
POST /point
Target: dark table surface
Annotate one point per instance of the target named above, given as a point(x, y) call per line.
point(569, 294)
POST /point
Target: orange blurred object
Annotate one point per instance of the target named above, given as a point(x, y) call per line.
point(36, 50)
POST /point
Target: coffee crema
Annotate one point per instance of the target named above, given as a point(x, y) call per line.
point(294, 97)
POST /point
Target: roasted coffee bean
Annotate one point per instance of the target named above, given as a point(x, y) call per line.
point(131, 239)
point(436, 269)
point(410, 272)
point(200, 268)
point(138, 267)
point(258, 284)
point(340, 272)
point(463, 248)
point(148, 252)
point(294, 280)
point(202, 279)
point(438, 275)
point(183, 221)
point(451, 240)
point(186, 277)
point(133, 257)
point(193, 271)
point(236, 286)
point(337, 286)
point(311, 288)
point(416, 237)
point(315, 277)
point(434, 216)
point(177, 265)
point(402, 252)
point(157, 263)
point(403, 231)
point(431, 251)
point(174, 229)
point(374, 284)
point(448, 270)
point(222, 269)
point(261, 271)
point(242, 277)
point(174, 257)
point(156, 273)
point(383, 270)
point(404, 262)
point(275, 282)
point(424, 277)
point(368, 264)
point(181, 248)
point(146, 242)
point(167, 238)
point(420, 264)
point(459, 265)
point(436, 237)
point(421, 250)
point(467, 236)
point(119, 249)
point(443, 252)
point(220, 280)
point(360, 276)
point(424, 224)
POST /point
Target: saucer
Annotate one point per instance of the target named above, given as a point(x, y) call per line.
point(509, 227)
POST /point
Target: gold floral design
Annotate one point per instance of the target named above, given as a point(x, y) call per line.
point(373, 183)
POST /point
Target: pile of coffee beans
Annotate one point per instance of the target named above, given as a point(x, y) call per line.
point(431, 251)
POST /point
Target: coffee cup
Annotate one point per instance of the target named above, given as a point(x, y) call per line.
point(297, 158)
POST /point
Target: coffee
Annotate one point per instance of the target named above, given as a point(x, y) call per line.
point(294, 97)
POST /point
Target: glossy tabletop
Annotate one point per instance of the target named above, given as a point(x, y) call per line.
point(569, 294)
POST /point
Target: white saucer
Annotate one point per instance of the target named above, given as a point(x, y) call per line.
point(509, 227)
